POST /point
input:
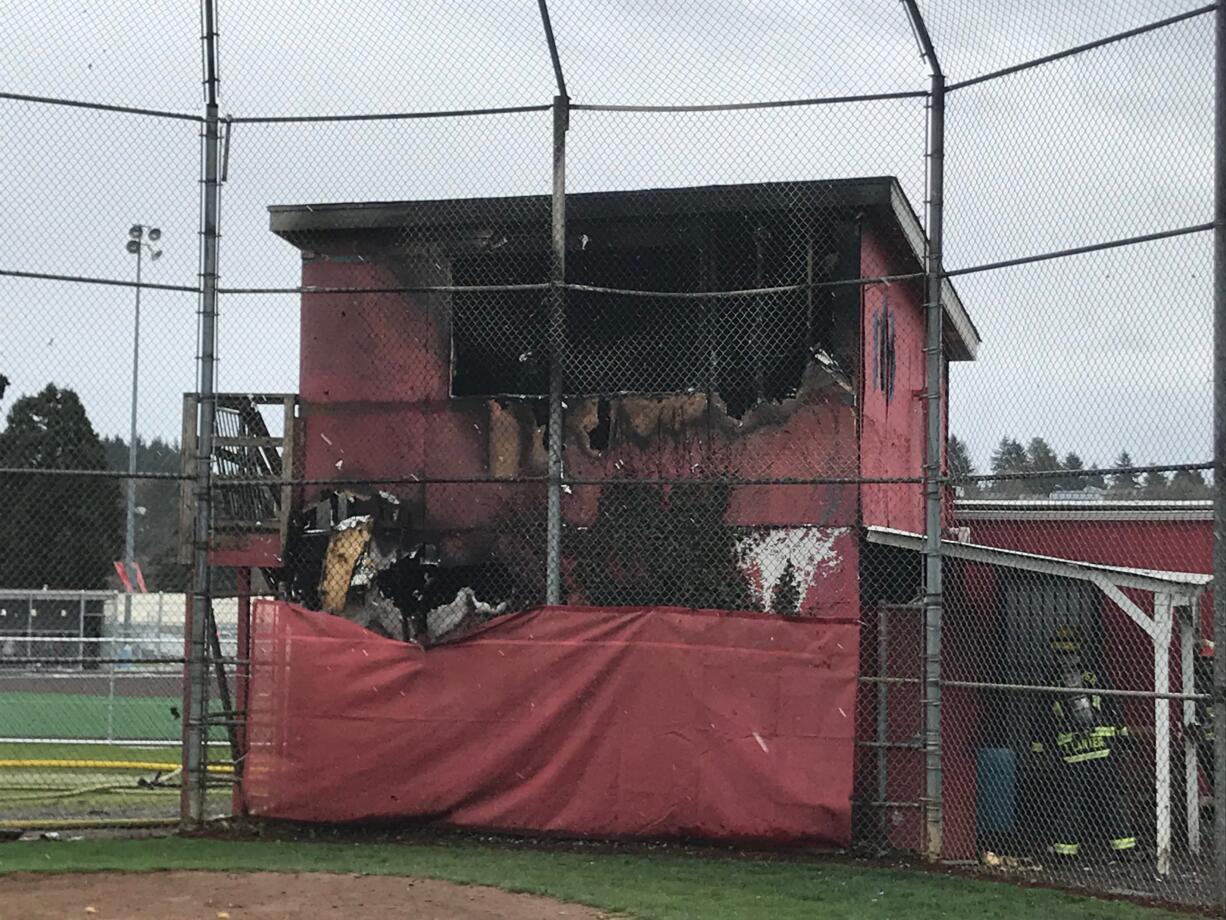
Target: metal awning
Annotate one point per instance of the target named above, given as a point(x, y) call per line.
point(1176, 602)
point(1045, 509)
point(1156, 580)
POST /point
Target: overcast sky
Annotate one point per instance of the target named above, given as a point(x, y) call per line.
point(1096, 353)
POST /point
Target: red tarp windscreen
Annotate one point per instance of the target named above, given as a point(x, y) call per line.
point(578, 721)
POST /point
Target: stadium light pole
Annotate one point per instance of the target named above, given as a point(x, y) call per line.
point(141, 237)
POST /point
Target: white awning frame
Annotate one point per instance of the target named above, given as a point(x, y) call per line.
point(1177, 596)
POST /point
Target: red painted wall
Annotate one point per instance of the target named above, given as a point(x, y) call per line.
point(1175, 546)
point(892, 414)
point(375, 405)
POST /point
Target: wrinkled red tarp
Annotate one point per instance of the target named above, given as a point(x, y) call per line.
point(579, 721)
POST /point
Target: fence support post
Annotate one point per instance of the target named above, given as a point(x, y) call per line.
point(557, 351)
point(191, 813)
point(1219, 458)
point(934, 600)
point(81, 633)
point(242, 676)
point(933, 480)
point(557, 320)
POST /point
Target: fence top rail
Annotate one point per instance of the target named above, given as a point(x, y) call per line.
point(46, 594)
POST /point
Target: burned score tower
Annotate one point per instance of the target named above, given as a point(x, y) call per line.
point(424, 376)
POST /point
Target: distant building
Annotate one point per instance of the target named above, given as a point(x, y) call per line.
point(1084, 494)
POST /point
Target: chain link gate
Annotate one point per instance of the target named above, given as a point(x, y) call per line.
point(672, 307)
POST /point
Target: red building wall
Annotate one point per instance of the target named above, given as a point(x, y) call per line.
point(892, 406)
point(974, 613)
point(1184, 545)
point(375, 404)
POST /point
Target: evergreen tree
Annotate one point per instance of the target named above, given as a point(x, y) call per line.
point(65, 531)
point(961, 466)
point(157, 510)
point(1040, 458)
point(1188, 484)
point(1073, 463)
point(1155, 484)
point(1009, 457)
point(1124, 482)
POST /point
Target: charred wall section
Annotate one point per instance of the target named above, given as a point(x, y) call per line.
point(694, 424)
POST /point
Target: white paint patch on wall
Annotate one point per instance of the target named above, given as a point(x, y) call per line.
point(813, 552)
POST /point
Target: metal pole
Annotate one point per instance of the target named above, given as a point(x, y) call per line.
point(883, 703)
point(1219, 459)
point(194, 767)
point(933, 480)
point(557, 351)
point(1163, 611)
point(553, 50)
point(934, 589)
point(242, 674)
point(81, 632)
point(129, 543)
point(110, 702)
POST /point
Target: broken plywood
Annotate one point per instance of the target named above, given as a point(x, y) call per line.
point(345, 547)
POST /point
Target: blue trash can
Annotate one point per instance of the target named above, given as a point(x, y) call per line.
point(996, 790)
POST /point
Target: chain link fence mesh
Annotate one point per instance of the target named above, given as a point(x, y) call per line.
point(700, 382)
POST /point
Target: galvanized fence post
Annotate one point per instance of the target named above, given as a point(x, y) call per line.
point(557, 350)
point(1219, 458)
point(195, 718)
point(557, 322)
point(934, 587)
point(933, 480)
point(81, 631)
point(110, 698)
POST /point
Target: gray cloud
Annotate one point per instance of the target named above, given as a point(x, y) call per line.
point(1097, 353)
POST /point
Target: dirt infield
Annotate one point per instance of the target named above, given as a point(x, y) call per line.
point(265, 895)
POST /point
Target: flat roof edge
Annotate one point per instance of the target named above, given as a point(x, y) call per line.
point(962, 338)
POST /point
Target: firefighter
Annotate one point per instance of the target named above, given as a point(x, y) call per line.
point(1081, 734)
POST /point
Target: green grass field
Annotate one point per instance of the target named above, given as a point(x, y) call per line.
point(47, 781)
point(659, 886)
point(43, 782)
point(31, 788)
point(78, 715)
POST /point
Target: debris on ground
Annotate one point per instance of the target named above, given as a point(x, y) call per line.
point(1009, 864)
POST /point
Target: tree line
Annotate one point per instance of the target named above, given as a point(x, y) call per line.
point(1045, 471)
point(67, 531)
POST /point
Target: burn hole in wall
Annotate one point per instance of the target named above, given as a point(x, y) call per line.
point(745, 348)
point(598, 434)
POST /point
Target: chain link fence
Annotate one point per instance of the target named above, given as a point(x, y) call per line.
point(91, 692)
point(900, 313)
